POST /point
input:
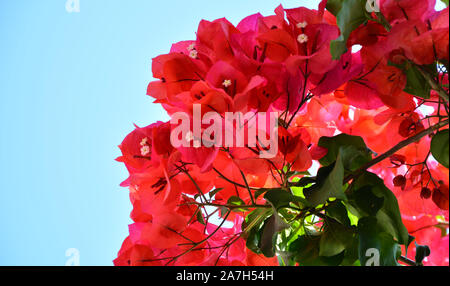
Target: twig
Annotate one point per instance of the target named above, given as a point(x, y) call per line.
point(396, 148)
point(235, 183)
point(434, 85)
point(407, 261)
point(247, 187)
point(253, 206)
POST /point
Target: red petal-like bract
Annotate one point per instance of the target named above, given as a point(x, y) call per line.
point(282, 63)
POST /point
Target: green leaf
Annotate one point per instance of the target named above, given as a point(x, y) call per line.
point(422, 251)
point(338, 211)
point(376, 248)
point(200, 218)
point(305, 251)
point(252, 227)
point(214, 192)
point(388, 216)
point(335, 238)
point(305, 181)
point(271, 227)
point(351, 15)
point(352, 253)
point(329, 184)
point(445, 2)
point(410, 240)
point(292, 233)
point(334, 144)
point(282, 199)
point(353, 158)
point(366, 202)
point(440, 147)
point(236, 201)
point(443, 228)
point(353, 218)
point(258, 193)
point(334, 6)
point(223, 211)
point(416, 83)
point(254, 239)
point(255, 218)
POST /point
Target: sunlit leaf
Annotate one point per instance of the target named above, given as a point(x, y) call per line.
point(350, 16)
point(329, 184)
point(440, 147)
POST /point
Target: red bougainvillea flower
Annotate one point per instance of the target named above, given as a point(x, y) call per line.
point(210, 205)
point(294, 149)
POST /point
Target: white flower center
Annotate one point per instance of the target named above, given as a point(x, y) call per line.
point(227, 83)
point(145, 150)
point(302, 25)
point(191, 47)
point(302, 38)
point(193, 54)
point(144, 141)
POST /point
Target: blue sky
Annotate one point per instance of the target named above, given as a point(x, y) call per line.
point(71, 87)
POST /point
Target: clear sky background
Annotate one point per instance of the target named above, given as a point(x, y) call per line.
point(71, 87)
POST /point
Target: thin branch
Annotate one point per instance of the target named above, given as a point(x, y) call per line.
point(231, 207)
point(441, 224)
point(407, 261)
point(396, 148)
point(383, 21)
point(199, 190)
point(434, 85)
point(202, 241)
point(247, 187)
point(235, 183)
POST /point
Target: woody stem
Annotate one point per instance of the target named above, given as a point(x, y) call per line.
point(396, 148)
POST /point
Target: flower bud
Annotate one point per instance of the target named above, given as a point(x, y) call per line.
point(400, 181)
point(425, 193)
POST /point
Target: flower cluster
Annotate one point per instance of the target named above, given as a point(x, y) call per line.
point(191, 205)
